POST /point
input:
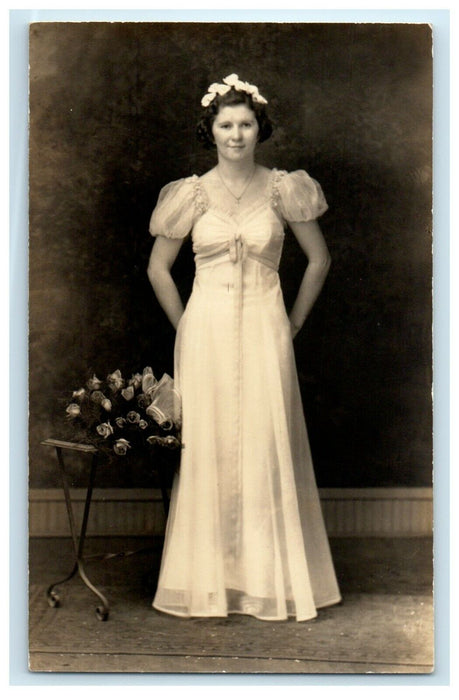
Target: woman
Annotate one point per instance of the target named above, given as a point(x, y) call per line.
point(245, 532)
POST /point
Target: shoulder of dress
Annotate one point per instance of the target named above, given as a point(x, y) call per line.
point(276, 178)
point(191, 179)
point(191, 189)
point(199, 194)
point(277, 175)
point(182, 182)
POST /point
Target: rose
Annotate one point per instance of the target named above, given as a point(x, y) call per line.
point(250, 89)
point(79, 394)
point(121, 447)
point(165, 423)
point(233, 81)
point(136, 381)
point(133, 417)
point(73, 410)
point(207, 99)
point(128, 393)
point(105, 430)
point(159, 396)
point(94, 384)
point(218, 88)
point(155, 440)
point(214, 90)
point(115, 381)
point(101, 399)
point(253, 90)
point(169, 441)
point(143, 400)
point(259, 98)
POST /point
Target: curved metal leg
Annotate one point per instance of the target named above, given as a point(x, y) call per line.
point(52, 595)
point(102, 610)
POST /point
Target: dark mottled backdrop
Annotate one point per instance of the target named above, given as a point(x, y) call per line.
point(113, 108)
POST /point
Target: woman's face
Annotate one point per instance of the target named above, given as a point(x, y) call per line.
point(235, 131)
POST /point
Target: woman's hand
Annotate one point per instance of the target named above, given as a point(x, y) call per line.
point(313, 244)
point(163, 255)
point(294, 330)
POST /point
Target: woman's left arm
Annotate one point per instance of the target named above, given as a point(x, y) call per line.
point(313, 244)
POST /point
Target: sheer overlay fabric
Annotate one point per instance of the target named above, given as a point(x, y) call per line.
point(245, 533)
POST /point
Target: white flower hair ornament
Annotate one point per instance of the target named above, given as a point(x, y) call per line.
point(232, 81)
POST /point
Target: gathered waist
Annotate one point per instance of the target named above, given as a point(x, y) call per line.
point(235, 250)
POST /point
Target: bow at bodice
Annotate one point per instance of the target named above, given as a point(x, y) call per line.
point(235, 249)
point(220, 239)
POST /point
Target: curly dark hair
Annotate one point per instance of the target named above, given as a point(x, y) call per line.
point(229, 99)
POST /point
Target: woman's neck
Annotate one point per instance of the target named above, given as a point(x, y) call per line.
point(236, 171)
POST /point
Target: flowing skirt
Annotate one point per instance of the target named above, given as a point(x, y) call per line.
point(245, 533)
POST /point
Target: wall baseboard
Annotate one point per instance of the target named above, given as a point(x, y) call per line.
point(367, 512)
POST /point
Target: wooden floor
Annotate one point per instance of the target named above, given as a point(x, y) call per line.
point(383, 625)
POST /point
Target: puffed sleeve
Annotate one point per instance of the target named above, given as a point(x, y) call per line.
point(298, 197)
point(177, 208)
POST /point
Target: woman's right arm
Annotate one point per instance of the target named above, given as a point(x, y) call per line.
point(163, 255)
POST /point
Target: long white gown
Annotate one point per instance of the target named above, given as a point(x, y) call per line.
point(245, 533)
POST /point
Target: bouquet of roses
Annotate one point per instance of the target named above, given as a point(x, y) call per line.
point(121, 415)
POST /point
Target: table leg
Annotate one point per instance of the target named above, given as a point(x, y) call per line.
point(78, 542)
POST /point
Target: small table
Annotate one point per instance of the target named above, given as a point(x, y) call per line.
point(78, 539)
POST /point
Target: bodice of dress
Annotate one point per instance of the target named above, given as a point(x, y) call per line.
point(256, 232)
point(237, 249)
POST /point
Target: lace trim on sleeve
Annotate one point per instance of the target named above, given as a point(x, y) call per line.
point(200, 200)
point(275, 197)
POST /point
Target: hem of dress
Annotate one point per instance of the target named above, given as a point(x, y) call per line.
point(274, 619)
point(293, 616)
point(332, 601)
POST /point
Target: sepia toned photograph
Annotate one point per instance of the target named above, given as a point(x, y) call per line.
point(230, 348)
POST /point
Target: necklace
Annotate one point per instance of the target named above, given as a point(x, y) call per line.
point(246, 184)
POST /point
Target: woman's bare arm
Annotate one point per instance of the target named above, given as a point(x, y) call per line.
point(163, 255)
point(313, 244)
